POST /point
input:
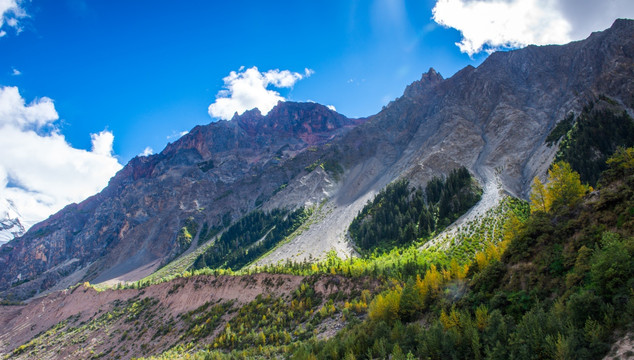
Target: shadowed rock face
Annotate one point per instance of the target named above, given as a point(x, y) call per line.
point(492, 119)
point(216, 170)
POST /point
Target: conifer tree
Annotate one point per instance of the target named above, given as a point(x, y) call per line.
point(410, 302)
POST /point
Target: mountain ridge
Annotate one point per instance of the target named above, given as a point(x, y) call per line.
point(493, 119)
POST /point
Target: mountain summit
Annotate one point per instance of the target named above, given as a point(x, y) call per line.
point(492, 119)
point(10, 223)
point(427, 81)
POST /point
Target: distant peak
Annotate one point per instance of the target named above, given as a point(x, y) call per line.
point(291, 118)
point(619, 28)
point(283, 109)
point(249, 114)
point(622, 23)
point(431, 76)
point(427, 80)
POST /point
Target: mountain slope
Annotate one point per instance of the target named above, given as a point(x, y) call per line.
point(550, 289)
point(212, 175)
point(492, 119)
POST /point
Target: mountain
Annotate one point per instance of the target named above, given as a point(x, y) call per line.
point(492, 119)
point(213, 174)
point(11, 223)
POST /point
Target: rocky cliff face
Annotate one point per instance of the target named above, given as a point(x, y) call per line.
point(214, 173)
point(492, 119)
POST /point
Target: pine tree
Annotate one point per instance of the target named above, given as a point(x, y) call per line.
point(410, 302)
point(397, 353)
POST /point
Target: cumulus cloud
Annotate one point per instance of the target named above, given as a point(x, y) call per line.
point(10, 13)
point(40, 172)
point(15, 72)
point(586, 16)
point(14, 112)
point(248, 89)
point(488, 25)
point(147, 151)
point(102, 143)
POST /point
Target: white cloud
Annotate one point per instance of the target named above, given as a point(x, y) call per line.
point(13, 110)
point(176, 135)
point(10, 12)
point(493, 24)
point(147, 151)
point(248, 89)
point(102, 143)
point(39, 171)
point(15, 72)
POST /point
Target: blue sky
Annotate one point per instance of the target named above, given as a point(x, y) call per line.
point(87, 85)
point(148, 70)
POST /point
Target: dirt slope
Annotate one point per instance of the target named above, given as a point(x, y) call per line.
point(95, 322)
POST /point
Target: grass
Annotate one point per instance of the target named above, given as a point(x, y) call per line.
point(475, 235)
point(177, 266)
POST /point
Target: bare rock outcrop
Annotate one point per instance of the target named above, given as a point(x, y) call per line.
point(493, 119)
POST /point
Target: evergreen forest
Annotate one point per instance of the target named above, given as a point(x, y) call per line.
point(401, 214)
point(250, 237)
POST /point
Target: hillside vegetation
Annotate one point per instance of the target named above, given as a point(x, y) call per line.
point(399, 215)
point(558, 285)
point(252, 236)
point(555, 283)
point(588, 139)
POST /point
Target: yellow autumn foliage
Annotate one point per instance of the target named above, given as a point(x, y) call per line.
point(563, 188)
point(385, 306)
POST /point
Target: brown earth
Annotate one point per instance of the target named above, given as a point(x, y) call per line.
point(82, 311)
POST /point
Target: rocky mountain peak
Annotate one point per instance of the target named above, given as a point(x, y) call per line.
point(11, 225)
point(301, 123)
point(622, 25)
point(427, 81)
point(291, 119)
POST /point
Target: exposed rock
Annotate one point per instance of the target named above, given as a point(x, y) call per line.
point(213, 172)
point(493, 119)
point(426, 82)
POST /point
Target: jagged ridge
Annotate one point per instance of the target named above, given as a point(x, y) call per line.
point(492, 119)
